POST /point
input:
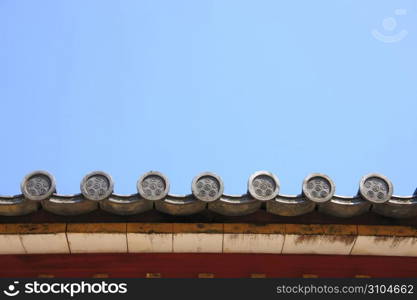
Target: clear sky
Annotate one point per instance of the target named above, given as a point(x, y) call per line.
point(232, 87)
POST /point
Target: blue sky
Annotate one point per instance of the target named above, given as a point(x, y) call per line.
point(232, 87)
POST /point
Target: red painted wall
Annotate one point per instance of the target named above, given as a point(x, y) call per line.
point(190, 265)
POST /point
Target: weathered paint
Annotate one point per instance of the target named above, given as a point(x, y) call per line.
point(189, 265)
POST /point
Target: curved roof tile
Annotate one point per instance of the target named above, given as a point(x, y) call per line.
point(375, 193)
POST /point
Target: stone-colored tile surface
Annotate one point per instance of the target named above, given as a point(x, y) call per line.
point(386, 240)
point(318, 244)
point(390, 246)
point(45, 243)
point(208, 237)
point(197, 237)
point(319, 239)
point(97, 242)
point(97, 237)
point(253, 238)
point(198, 242)
point(252, 243)
point(149, 242)
point(11, 244)
point(40, 238)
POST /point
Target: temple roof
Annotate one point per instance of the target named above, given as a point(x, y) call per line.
point(372, 222)
point(375, 196)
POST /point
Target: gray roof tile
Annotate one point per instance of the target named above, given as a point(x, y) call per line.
point(375, 193)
